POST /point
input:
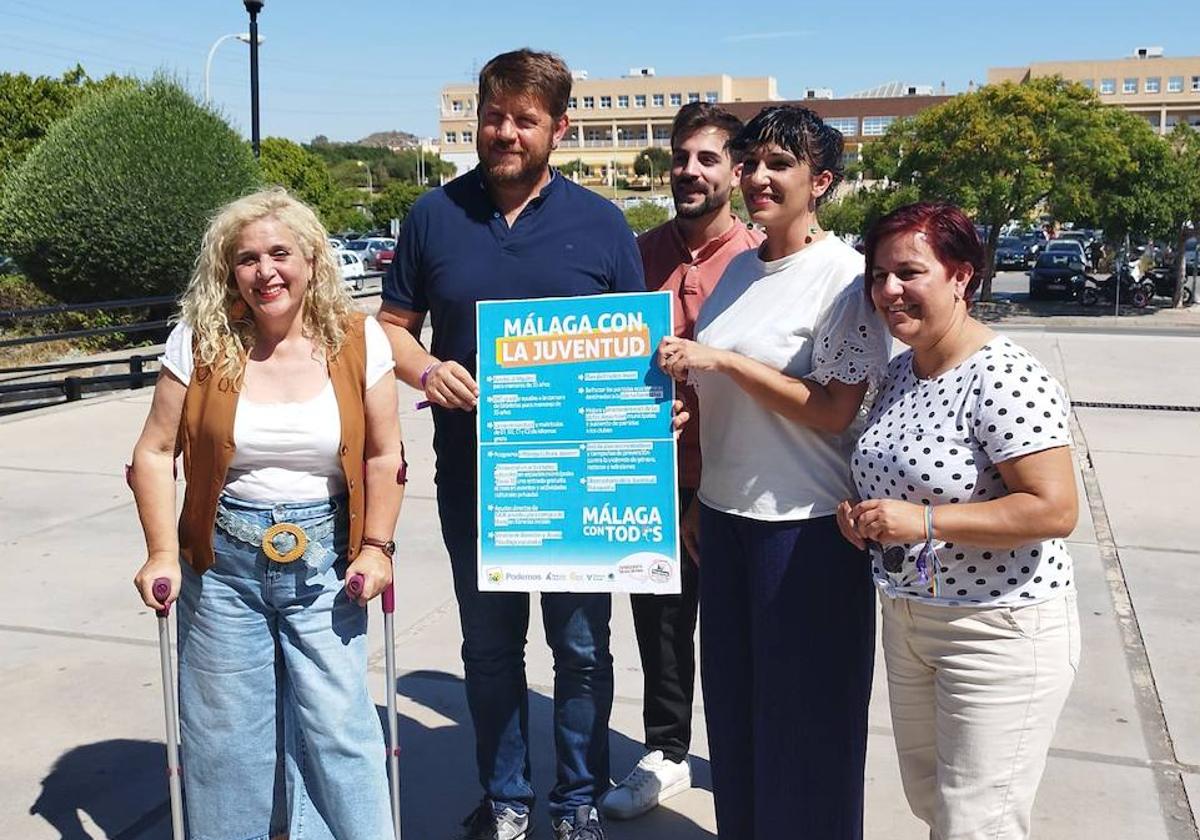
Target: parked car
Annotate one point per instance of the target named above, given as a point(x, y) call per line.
point(1068, 246)
point(382, 251)
point(7, 266)
point(353, 271)
point(336, 244)
point(1059, 274)
point(1011, 253)
point(376, 251)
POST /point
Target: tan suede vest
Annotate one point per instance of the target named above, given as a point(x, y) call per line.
point(206, 443)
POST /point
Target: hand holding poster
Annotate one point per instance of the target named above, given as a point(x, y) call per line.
point(577, 472)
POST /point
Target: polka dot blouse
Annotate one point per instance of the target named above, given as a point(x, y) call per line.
point(937, 442)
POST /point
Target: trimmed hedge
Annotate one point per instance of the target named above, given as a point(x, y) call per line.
point(113, 202)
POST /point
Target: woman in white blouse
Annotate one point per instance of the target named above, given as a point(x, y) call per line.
point(280, 397)
point(967, 488)
point(785, 349)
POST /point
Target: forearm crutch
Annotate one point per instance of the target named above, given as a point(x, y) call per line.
point(387, 599)
point(162, 591)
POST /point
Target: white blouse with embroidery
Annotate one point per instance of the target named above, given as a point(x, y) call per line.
point(806, 315)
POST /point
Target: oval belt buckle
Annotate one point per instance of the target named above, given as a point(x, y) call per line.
point(272, 550)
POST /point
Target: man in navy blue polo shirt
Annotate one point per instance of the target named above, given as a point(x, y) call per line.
point(510, 228)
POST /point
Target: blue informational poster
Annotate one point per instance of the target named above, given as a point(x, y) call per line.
point(577, 475)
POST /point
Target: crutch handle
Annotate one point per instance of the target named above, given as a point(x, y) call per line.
point(388, 599)
point(354, 586)
point(161, 591)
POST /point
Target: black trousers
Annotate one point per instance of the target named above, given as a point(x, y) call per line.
point(666, 631)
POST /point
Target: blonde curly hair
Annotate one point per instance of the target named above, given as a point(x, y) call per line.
point(221, 322)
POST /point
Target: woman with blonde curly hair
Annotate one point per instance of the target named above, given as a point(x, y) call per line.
point(279, 396)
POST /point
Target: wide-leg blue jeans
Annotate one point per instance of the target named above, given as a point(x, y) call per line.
point(278, 731)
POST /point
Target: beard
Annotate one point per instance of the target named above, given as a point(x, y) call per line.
point(713, 201)
point(531, 167)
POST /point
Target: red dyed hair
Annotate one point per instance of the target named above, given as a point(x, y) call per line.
point(950, 234)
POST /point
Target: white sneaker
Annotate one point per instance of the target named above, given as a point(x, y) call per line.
point(653, 780)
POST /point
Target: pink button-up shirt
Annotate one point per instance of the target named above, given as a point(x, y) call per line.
point(670, 266)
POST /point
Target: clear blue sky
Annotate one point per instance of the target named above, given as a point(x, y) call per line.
point(348, 69)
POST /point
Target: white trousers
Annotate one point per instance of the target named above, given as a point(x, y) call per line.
point(975, 696)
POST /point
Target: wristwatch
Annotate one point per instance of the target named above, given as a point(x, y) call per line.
point(388, 547)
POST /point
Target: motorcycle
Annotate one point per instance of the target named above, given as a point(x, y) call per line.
point(1121, 285)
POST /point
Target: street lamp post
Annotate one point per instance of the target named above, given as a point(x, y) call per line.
point(244, 37)
point(370, 181)
point(253, 7)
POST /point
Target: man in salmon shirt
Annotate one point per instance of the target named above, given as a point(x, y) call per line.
point(685, 256)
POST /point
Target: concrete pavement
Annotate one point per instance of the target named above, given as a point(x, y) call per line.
point(82, 748)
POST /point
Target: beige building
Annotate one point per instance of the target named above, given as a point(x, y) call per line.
point(612, 120)
point(1166, 91)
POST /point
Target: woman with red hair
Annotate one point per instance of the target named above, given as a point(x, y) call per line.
point(967, 487)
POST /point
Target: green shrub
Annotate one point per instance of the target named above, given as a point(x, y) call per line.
point(112, 203)
point(645, 215)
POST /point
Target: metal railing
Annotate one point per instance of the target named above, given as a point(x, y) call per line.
point(26, 387)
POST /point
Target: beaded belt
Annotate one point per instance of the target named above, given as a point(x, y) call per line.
point(283, 542)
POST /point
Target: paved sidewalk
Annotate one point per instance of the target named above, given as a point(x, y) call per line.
point(82, 751)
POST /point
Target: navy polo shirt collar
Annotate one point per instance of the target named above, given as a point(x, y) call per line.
point(552, 187)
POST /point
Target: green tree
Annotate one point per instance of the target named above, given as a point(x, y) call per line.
point(855, 212)
point(307, 177)
point(1002, 151)
point(571, 167)
point(653, 161)
point(645, 215)
point(385, 164)
point(30, 105)
point(394, 202)
point(114, 200)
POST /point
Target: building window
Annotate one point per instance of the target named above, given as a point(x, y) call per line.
point(605, 102)
point(1175, 84)
point(468, 136)
point(1088, 83)
point(1153, 84)
point(589, 102)
point(1108, 86)
point(711, 97)
point(451, 136)
point(572, 102)
point(658, 100)
point(1196, 84)
point(1129, 86)
point(456, 106)
point(848, 126)
point(639, 100)
point(693, 97)
point(623, 101)
point(1172, 121)
point(875, 126)
point(676, 100)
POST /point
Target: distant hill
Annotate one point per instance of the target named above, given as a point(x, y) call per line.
point(390, 140)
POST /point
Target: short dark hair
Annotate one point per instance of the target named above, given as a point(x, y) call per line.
point(799, 131)
point(950, 234)
point(527, 72)
point(697, 115)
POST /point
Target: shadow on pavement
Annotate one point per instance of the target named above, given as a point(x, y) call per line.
point(439, 779)
point(118, 788)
